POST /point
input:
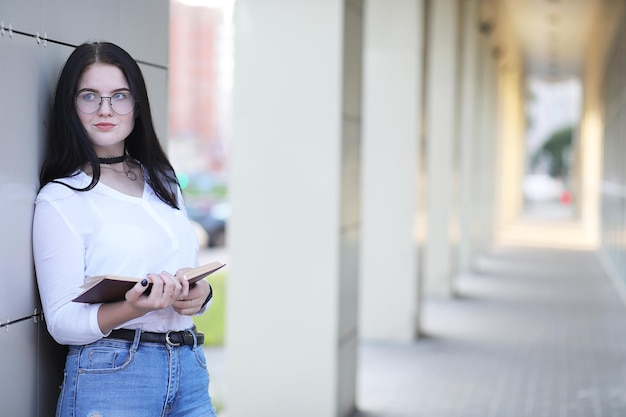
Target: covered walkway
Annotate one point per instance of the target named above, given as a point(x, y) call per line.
point(536, 332)
point(380, 153)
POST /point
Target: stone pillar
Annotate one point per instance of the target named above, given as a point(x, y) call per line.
point(485, 150)
point(467, 132)
point(291, 334)
point(392, 96)
point(441, 96)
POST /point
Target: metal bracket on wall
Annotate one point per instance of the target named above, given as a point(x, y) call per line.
point(35, 317)
point(41, 40)
point(44, 40)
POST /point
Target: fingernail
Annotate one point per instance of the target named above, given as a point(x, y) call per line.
point(144, 282)
point(185, 278)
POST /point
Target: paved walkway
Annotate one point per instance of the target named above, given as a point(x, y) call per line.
point(535, 333)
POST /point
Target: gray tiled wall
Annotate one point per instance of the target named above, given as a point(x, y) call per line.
point(36, 36)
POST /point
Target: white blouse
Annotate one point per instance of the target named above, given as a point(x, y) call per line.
point(77, 234)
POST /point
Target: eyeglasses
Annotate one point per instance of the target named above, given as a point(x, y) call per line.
point(121, 102)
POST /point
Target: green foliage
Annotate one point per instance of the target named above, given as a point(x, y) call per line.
point(555, 149)
point(218, 191)
point(211, 323)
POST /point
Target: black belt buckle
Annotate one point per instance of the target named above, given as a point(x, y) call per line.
point(169, 341)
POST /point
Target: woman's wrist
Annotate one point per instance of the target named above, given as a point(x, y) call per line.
point(111, 315)
point(208, 298)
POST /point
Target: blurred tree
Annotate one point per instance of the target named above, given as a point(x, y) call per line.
point(555, 151)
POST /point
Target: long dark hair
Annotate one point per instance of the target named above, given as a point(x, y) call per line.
point(68, 147)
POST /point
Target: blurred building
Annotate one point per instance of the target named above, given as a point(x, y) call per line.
point(198, 94)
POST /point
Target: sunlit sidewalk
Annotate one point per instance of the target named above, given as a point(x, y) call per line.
point(537, 332)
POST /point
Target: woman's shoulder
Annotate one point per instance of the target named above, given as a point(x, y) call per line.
point(63, 188)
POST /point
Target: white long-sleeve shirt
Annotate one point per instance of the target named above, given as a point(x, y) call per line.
point(77, 234)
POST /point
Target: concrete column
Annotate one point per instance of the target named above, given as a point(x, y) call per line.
point(492, 147)
point(291, 334)
point(484, 152)
point(468, 140)
point(441, 93)
point(479, 153)
point(389, 264)
point(510, 148)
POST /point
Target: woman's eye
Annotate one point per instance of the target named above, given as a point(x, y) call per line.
point(121, 96)
point(89, 96)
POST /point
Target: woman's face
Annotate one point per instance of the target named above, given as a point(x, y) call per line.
point(107, 129)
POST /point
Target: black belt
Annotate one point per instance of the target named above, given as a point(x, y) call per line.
point(172, 338)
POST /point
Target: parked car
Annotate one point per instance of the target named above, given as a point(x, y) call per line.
point(201, 234)
point(213, 217)
point(542, 188)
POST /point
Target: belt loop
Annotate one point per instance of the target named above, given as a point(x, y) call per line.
point(136, 340)
point(195, 339)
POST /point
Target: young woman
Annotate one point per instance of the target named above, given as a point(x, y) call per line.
point(110, 203)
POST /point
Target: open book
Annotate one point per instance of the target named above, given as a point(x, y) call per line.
point(110, 288)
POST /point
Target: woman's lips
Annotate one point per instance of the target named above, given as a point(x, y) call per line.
point(105, 126)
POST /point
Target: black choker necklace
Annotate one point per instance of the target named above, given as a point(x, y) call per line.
point(112, 160)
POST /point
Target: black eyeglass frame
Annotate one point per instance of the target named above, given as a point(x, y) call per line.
point(134, 100)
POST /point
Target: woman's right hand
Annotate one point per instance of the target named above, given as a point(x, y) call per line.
point(165, 290)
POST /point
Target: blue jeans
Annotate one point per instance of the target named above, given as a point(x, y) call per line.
point(117, 378)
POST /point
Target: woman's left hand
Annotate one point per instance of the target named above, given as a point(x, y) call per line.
point(192, 302)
